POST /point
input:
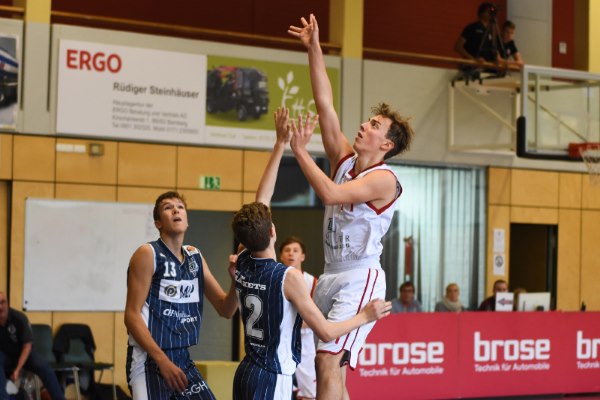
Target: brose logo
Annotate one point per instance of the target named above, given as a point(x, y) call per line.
point(402, 353)
point(510, 350)
point(100, 62)
point(587, 349)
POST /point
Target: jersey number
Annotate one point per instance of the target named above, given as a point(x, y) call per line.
point(254, 304)
point(170, 271)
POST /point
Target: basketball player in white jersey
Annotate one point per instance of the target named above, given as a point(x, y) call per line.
point(292, 252)
point(359, 201)
point(166, 282)
point(273, 296)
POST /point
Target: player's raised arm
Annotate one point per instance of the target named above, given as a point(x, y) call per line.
point(378, 185)
point(266, 187)
point(335, 143)
point(224, 303)
point(295, 292)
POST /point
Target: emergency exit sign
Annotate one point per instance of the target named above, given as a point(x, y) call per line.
point(210, 182)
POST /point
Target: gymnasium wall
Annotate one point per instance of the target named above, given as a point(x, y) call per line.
point(136, 172)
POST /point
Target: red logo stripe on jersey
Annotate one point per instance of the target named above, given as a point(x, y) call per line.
point(339, 164)
point(388, 205)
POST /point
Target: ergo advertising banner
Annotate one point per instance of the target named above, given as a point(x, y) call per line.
point(127, 92)
point(477, 354)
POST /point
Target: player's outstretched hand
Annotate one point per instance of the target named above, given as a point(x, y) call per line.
point(174, 376)
point(302, 132)
point(282, 126)
point(308, 33)
point(377, 309)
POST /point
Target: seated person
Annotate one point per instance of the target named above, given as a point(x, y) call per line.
point(489, 304)
point(473, 43)
point(451, 301)
point(508, 49)
point(16, 353)
point(406, 302)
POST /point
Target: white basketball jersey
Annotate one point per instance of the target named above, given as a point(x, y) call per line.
point(352, 232)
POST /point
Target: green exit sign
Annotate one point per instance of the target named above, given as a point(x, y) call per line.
point(210, 182)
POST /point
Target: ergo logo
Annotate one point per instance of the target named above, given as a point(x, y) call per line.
point(100, 62)
point(587, 349)
point(402, 353)
point(510, 350)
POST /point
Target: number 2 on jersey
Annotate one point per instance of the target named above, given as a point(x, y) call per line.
point(254, 304)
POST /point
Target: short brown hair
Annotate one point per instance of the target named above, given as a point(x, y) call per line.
point(252, 226)
point(400, 132)
point(164, 196)
point(508, 25)
point(290, 240)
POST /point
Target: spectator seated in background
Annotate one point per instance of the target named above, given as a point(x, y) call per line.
point(489, 304)
point(476, 42)
point(451, 301)
point(17, 354)
point(509, 50)
point(406, 302)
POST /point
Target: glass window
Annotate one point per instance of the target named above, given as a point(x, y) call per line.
point(438, 234)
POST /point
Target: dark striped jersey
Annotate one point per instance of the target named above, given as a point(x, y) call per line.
point(173, 308)
point(271, 323)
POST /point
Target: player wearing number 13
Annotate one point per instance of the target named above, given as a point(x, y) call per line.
point(165, 288)
point(273, 297)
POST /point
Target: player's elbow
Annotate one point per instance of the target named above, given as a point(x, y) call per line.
point(325, 335)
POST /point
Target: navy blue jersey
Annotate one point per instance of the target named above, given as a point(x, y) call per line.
point(271, 323)
point(173, 308)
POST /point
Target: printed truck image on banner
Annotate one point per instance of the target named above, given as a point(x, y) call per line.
point(131, 93)
point(9, 81)
point(243, 94)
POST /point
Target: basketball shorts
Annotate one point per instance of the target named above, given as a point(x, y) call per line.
point(340, 296)
point(252, 382)
point(146, 382)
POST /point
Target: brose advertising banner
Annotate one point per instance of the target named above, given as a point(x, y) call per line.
point(127, 92)
point(479, 354)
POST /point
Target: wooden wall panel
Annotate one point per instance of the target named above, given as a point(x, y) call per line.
point(34, 158)
point(85, 168)
point(498, 218)
point(569, 190)
point(590, 194)
point(569, 257)
point(193, 162)
point(533, 215)
point(21, 190)
point(534, 188)
point(139, 195)
point(150, 165)
point(499, 186)
point(248, 197)
point(4, 230)
point(590, 259)
point(40, 317)
point(120, 356)
point(254, 166)
point(6, 153)
point(72, 191)
point(212, 200)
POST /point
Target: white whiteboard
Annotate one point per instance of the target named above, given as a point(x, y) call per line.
point(77, 253)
